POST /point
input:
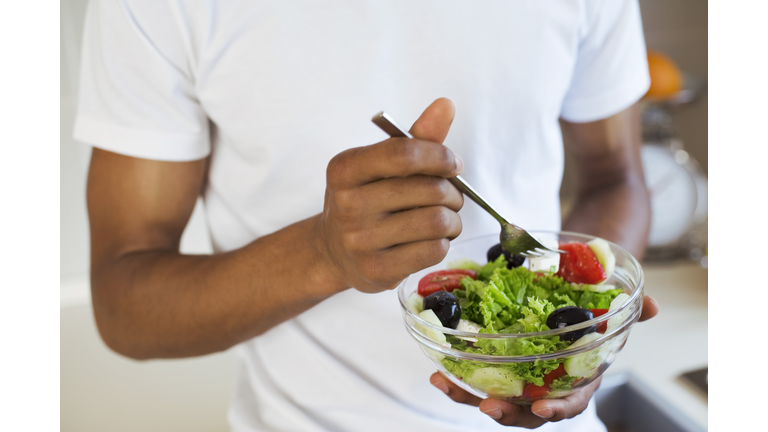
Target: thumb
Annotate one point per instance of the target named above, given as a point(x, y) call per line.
point(435, 122)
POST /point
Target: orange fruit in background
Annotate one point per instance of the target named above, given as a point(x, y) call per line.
point(666, 78)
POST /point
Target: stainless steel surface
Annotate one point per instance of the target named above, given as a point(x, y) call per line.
point(513, 239)
point(625, 404)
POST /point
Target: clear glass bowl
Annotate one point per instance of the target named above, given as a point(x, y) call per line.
point(497, 378)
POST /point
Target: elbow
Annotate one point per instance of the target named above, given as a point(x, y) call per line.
point(117, 326)
point(119, 341)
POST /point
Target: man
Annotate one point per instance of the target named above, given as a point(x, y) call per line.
point(264, 107)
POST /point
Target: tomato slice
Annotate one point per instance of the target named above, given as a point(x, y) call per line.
point(555, 374)
point(533, 392)
point(603, 326)
point(580, 264)
point(443, 280)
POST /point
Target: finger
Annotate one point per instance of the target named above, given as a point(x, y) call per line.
point(435, 122)
point(569, 407)
point(509, 414)
point(650, 308)
point(389, 267)
point(402, 193)
point(395, 157)
point(415, 225)
point(456, 393)
point(423, 223)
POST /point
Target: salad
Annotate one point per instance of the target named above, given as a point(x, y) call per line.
point(504, 296)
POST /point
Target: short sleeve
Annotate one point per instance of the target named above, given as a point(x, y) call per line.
point(135, 98)
point(611, 70)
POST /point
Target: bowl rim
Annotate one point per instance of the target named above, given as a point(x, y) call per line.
point(636, 293)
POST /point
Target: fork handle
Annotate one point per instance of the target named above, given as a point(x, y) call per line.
point(388, 125)
point(467, 190)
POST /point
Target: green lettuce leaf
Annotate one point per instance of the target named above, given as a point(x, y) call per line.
point(563, 383)
point(488, 268)
point(594, 300)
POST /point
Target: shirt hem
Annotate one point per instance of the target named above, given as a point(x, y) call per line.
point(140, 143)
point(605, 104)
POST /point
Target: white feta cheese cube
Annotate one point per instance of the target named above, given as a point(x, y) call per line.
point(546, 263)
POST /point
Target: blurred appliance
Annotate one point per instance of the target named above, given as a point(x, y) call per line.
point(698, 379)
point(677, 184)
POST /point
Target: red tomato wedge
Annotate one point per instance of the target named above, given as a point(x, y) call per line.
point(443, 280)
point(580, 264)
point(534, 392)
point(603, 326)
point(555, 374)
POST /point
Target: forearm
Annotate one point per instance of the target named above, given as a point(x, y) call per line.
point(618, 212)
point(160, 304)
point(388, 212)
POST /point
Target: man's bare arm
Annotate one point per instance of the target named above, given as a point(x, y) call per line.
point(149, 300)
point(389, 212)
point(612, 200)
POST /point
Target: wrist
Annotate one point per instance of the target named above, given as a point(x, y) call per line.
point(326, 273)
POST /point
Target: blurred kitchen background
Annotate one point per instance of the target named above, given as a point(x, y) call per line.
point(102, 391)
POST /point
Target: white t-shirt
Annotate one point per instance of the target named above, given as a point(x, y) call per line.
point(272, 90)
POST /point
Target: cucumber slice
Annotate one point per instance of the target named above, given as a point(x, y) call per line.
point(594, 288)
point(604, 255)
point(415, 303)
point(585, 365)
point(429, 316)
point(465, 264)
point(497, 382)
point(616, 321)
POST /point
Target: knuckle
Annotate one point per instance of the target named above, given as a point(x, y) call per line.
point(441, 221)
point(436, 250)
point(441, 189)
point(353, 241)
point(337, 168)
point(447, 158)
point(406, 151)
point(456, 229)
point(441, 248)
point(346, 200)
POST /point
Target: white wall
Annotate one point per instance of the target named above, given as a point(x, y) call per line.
point(74, 155)
point(100, 390)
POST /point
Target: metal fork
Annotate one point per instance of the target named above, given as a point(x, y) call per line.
point(513, 239)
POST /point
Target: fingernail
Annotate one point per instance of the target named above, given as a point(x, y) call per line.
point(443, 388)
point(544, 413)
point(459, 164)
point(493, 413)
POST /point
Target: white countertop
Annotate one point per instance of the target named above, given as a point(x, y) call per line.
point(674, 342)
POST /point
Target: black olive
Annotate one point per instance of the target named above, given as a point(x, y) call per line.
point(570, 315)
point(445, 306)
point(512, 260)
